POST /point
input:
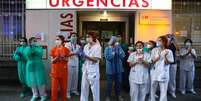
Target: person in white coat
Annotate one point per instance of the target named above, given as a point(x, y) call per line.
point(139, 73)
point(161, 58)
point(187, 67)
point(91, 75)
point(73, 66)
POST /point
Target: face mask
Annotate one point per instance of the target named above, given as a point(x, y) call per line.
point(188, 45)
point(82, 41)
point(73, 39)
point(158, 44)
point(140, 50)
point(22, 43)
point(149, 46)
point(89, 40)
point(34, 43)
point(130, 48)
point(58, 42)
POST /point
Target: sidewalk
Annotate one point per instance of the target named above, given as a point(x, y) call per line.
point(10, 93)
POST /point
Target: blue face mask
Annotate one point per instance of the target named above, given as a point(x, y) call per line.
point(158, 44)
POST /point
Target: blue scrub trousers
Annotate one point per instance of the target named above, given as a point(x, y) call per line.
point(117, 78)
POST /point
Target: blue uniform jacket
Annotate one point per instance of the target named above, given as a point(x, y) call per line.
point(114, 62)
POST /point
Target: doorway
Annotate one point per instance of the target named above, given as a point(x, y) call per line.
point(104, 30)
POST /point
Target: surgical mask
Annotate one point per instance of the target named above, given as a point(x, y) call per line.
point(73, 39)
point(58, 42)
point(158, 44)
point(130, 48)
point(188, 45)
point(149, 46)
point(82, 41)
point(89, 40)
point(140, 50)
point(22, 43)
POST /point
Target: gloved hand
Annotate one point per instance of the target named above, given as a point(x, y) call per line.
point(19, 54)
point(82, 54)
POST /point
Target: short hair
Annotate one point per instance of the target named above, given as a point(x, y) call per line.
point(188, 40)
point(62, 38)
point(139, 42)
point(93, 35)
point(164, 41)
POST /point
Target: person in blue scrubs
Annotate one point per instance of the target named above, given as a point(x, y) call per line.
point(114, 56)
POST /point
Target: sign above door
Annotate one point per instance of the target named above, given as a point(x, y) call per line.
point(99, 4)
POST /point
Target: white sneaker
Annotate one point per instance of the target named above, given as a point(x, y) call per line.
point(68, 96)
point(34, 98)
point(183, 92)
point(173, 95)
point(76, 93)
point(193, 92)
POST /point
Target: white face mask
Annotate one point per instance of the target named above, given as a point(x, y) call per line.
point(158, 44)
point(188, 44)
point(140, 50)
point(89, 40)
point(58, 42)
point(149, 46)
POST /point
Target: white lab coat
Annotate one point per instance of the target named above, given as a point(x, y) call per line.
point(138, 77)
point(160, 73)
point(91, 74)
point(73, 68)
point(187, 70)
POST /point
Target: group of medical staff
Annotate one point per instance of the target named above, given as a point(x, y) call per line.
point(75, 68)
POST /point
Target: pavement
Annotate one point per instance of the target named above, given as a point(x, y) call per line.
point(10, 92)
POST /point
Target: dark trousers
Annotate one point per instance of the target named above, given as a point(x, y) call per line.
point(117, 78)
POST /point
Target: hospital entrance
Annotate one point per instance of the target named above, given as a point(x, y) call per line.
point(104, 32)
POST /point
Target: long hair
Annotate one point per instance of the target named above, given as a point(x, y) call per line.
point(164, 41)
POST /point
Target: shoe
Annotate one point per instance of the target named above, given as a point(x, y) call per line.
point(120, 98)
point(193, 92)
point(107, 99)
point(183, 92)
point(34, 98)
point(156, 96)
point(22, 95)
point(173, 95)
point(76, 93)
point(43, 98)
point(68, 96)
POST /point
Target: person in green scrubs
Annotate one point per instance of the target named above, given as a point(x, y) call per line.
point(35, 69)
point(81, 62)
point(19, 57)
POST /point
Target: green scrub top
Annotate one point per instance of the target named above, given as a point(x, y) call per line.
point(19, 56)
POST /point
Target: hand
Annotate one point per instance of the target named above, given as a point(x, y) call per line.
point(189, 50)
point(82, 54)
point(113, 53)
point(156, 58)
point(19, 54)
point(166, 53)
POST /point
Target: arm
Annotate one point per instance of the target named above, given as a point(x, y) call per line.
point(121, 53)
point(169, 58)
point(16, 55)
point(193, 53)
point(108, 54)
